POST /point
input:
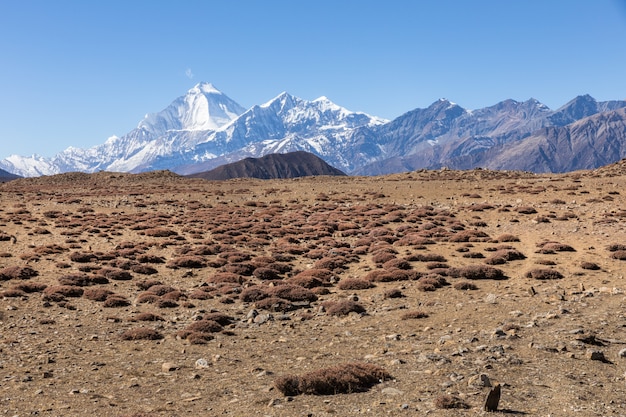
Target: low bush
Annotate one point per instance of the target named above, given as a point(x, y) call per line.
point(141, 333)
point(341, 379)
point(543, 274)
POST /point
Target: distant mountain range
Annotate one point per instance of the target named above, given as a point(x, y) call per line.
point(272, 166)
point(205, 129)
point(7, 176)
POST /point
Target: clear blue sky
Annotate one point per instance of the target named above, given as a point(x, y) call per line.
point(73, 73)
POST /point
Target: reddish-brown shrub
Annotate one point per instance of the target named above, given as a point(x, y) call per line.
point(502, 256)
point(159, 232)
point(64, 290)
point(543, 274)
point(253, 293)
point(342, 307)
point(83, 257)
point(82, 280)
point(305, 281)
point(30, 287)
point(147, 297)
point(143, 269)
point(592, 266)
point(551, 247)
point(96, 294)
point(160, 289)
point(148, 317)
point(150, 259)
point(354, 284)
point(526, 210)
point(465, 285)
point(115, 274)
point(469, 236)
point(12, 293)
point(397, 264)
point(450, 402)
point(17, 272)
point(426, 257)
point(187, 262)
point(274, 304)
point(619, 255)
point(341, 379)
point(141, 333)
point(393, 293)
point(614, 247)
point(264, 273)
point(382, 257)
point(144, 285)
point(292, 293)
point(115, 300)
point(414, 314)
point(477, 272)
point(165, 303)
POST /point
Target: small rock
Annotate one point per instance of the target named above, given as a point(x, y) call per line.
point(622, 353)
point(595, 355)
point(392, 391)
point(493, 399)
point(479, 381)
point(202, 363)
point(168, 367)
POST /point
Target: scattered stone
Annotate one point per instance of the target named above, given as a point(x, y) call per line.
point(479, 381)
point(493, 399)
point(202, 363)
point(596, 355)
point(622, 353)
point(168, 367)
point(392, 391)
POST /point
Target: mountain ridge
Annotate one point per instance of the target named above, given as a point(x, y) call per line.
point(205, 128)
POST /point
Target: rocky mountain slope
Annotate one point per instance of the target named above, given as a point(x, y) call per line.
point(205, 129)
point(272, 166)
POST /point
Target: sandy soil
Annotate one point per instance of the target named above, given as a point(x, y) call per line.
point(88, 263)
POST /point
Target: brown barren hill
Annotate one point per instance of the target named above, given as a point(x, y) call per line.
point(273, 166)
point(409, 294)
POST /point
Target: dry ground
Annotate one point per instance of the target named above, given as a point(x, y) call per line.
point(272, 277)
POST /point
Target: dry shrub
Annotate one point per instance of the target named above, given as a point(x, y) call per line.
point(548, 262)
point(397, 264)
point(306, 281)
point(426, 257)
point(477, 272)
point(503, 256)
point(382, 257)
point(165, 303)
point(465, 285)
point(272, 303)
point(414, 314)
point(187, 262)
point(507, 238)
point(292, 293)
point(354, 284)
point(143, 269)
point(174, 295)
point(220, 318)
point(83, 257)
point(325, 275)
point(160, 289)
point(144, 285)
point(148, 317)
point(147, 298)
point(159, 232)
point(17, 272)
point(619, 255)
point(150, 259)
point(341, 379)
point(469, 236)
point(342, 307)
point(591, 266)
point(264, 273)
point(253, 294)
point(82, 280)
point(552, 247)
point(393, 293)
point(526, 210)
point(116, 300)
point(614, 247)
point(330, 263)
point(115, 274)
point(543, 274)
point(30, 287)
point(141, 333)
point(63, 290)
point(450, 402)
point(96, 294)
point(12, 293)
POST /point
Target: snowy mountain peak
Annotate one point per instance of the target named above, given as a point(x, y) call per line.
point(204, 107)
point(204, 88)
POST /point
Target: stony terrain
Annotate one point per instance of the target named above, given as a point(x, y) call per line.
point(156, 295)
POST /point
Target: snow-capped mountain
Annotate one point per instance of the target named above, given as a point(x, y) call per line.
point(179, 126)
point(204, 129)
